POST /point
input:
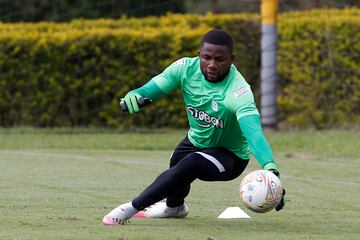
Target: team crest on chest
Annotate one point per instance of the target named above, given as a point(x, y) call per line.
point(214, 105)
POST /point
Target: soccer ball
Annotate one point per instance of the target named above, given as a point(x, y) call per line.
point(261, 191)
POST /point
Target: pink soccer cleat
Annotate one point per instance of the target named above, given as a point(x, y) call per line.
point(115, 217)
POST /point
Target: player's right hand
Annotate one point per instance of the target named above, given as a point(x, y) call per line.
point(282, 201)
point(130, 100)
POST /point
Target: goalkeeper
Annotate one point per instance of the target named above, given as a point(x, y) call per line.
point(224, 127)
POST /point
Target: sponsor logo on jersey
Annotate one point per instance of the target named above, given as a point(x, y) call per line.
point(180, 61)
point(205, 118)
point(214, 105)
point(244, 89)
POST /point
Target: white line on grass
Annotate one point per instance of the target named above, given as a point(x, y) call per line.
point(81, 157)
point(323, 180)
point(135, 161)
point(42, 154)
point(147, 163)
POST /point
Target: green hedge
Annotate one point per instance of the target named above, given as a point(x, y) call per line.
point(319, 68)
point(73, 74)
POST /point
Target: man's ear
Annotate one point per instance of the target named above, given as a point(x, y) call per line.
point(232, 57)
point(199, 53)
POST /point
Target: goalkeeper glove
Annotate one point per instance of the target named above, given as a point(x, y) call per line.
point(131, 102)
point(282, 201)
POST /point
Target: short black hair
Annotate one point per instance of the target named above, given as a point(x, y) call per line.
point(218, 37)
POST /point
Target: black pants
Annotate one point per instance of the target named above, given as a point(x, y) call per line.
point(187, 164)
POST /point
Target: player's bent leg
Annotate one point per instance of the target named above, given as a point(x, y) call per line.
point(177, 178)
point(177, 196)
point(212, 165)
point(228, 164)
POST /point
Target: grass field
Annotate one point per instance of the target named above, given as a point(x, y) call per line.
point(58, 184)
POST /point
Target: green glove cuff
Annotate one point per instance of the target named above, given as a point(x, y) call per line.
point(271, 166)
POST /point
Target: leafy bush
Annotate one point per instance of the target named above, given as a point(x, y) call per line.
point(319, 57)
point(73, 74)
point(57, 74)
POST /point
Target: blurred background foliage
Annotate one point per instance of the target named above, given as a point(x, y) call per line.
point(67, 63)
point(65, 10)
point(73, 74)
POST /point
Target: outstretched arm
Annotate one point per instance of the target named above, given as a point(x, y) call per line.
point(251, 127)
point(161, 84)
point(149, 90)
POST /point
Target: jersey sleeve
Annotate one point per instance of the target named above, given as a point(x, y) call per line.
point(170, 78)
point(149, 90)
point(241, 102)
point(251, 127)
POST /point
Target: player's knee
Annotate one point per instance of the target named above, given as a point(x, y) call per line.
point(189, 166)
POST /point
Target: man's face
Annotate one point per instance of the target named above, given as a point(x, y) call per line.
point(215, 61)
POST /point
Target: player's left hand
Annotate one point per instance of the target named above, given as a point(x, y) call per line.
point(282, 201)
point(131, 102)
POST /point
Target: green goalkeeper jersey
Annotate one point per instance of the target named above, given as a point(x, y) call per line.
point(212, 108)
point(215, 110)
